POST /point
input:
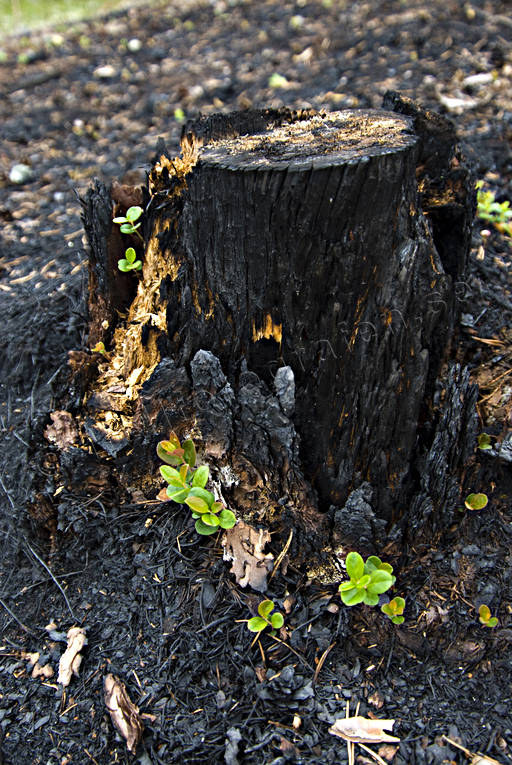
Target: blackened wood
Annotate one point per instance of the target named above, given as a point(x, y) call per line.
point(110, 291)
point(304, 245)
point(446, 191)
point(296, 306)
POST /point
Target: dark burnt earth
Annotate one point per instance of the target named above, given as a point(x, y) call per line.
point(160, 608)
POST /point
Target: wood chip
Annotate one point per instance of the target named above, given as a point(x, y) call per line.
point(360, 730)
point(71, 659)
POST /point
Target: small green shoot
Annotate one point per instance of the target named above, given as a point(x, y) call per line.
point(129, 262)
point(366, 580)
point(476, 501)
point(394, 609)
point(100, 348)
point(485, 618)
point(127, 223)
point(484, 441)
point(276, 81)
point(498, 213)
point(266, 618)
point(187, 485)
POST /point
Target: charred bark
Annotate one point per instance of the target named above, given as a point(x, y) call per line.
point(297, 303)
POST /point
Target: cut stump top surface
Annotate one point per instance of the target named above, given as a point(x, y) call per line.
point(328, 139)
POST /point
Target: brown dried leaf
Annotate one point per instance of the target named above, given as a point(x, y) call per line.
point(62, 432)
point(244, 545)
point(435, 613)
point(123, 712)
point(288, 749)
point(387, 752)
point(360, 730)
point(72, 658)
point(376, 699)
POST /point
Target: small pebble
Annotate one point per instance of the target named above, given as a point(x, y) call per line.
point(134, 45)
point(21, 174)
point(476, 80)
point(105, 72)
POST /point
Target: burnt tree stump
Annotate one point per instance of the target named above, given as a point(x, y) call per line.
point(297, 304)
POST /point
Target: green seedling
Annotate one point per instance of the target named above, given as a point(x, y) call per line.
point(100, 348)
point(187, 485)
point(394, 609)
point(476, 501)
point(485, 618)
point(129, 262)
point(366, 580)
point(484, 441)
point(266, 618)
point(276, 81)
point(498, 213)
point(127, 223)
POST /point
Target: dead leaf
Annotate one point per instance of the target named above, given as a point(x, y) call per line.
point(387, 752)
point(360, 730)
point(288, 749)
point(72, 658)
point(376, 699)
point(62, 432)
point(435, 612)
point(123, 712)
point(244, 545)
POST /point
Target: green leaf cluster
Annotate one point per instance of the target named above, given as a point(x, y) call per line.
point(127, 222)
point(485, 618)
point(129, 262)
point(266, 618)
point(367, 580)
point(498, 213)
point(394, 609)
point(186, 485)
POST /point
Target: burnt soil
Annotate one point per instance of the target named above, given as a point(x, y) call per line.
point(160, 607)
